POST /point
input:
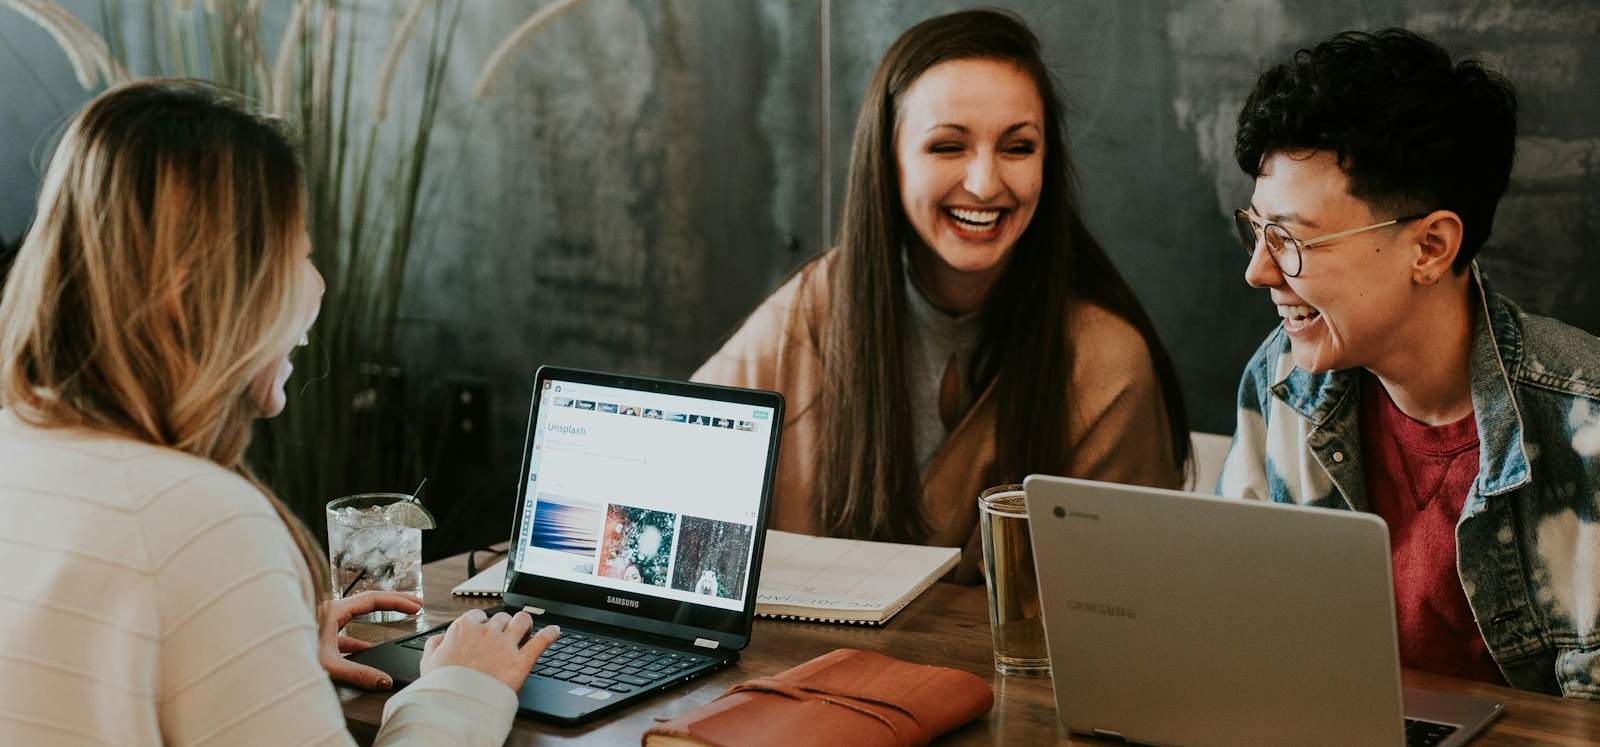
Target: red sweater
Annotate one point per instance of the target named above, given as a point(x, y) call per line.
point(1418, 477)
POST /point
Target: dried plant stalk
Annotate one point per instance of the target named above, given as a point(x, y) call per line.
point(322, 64)
point(391, 56)
point(288, 47)
point(497, 60)
point(81, 57)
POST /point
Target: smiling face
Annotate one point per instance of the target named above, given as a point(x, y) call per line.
point(969, 146)
point(1353, 295)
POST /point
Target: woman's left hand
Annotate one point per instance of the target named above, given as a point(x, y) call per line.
point(332, 647)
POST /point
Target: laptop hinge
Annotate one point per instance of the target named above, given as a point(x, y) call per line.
point(705, 643)
point(532, 610)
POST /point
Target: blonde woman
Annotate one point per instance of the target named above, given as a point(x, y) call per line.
point(153, 591)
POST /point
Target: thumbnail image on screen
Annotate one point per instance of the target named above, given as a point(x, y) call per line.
point(569, 527)
point(637, 545)
point(711, 557)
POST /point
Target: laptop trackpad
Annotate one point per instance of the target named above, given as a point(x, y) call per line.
point(400, 662)
point(562, 699)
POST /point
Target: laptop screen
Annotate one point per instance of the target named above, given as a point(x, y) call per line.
point(646, 494)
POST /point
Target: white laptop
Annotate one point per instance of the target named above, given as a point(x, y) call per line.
point(1179, 619)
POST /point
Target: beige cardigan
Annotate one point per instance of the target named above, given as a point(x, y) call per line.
point(155, 598)
point(1117, 431)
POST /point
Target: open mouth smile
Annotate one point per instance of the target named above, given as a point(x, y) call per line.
point(975, 224)
point(1298, 317)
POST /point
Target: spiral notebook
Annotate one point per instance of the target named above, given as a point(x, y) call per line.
point(820, 579)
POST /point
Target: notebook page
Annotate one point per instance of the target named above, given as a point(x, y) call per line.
point(827, 573)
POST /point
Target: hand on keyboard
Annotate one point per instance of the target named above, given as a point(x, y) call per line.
point(492, 645)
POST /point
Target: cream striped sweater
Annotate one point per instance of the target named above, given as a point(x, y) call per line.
point(152, 598)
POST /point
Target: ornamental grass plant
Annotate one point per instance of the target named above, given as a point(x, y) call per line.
point(365, 143)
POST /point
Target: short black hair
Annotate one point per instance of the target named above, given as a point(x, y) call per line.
point(1413, 130)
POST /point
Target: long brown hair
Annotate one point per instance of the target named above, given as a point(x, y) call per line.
point(866, 475)
point(159, 277)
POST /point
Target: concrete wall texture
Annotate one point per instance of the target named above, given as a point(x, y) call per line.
point(648, 170)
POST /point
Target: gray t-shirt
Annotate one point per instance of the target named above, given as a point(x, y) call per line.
point(931, 338)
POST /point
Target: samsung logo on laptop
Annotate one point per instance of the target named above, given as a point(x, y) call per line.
point(1096, 608)
point(634, 603)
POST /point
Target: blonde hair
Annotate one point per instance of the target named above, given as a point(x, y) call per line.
point(159, 278)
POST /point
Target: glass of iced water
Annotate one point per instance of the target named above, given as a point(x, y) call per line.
point(375, 542)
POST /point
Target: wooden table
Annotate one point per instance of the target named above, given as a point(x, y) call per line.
point(948, 626)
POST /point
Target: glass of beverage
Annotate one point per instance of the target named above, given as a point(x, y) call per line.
point(1014, 616)
point(375, 542)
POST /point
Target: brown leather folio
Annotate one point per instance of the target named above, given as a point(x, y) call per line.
point(845, 697)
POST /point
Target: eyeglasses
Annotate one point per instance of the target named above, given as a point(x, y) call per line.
point(1284, 247)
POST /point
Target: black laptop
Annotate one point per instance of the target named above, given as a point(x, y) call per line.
point(638, 529)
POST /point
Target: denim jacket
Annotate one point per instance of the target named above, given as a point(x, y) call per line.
point(1528, 540)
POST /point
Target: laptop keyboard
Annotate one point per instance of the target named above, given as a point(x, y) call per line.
point(602, 663)
point(1426, 733)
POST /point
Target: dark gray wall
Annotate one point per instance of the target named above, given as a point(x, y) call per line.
point(648, 171)
point(643, 175)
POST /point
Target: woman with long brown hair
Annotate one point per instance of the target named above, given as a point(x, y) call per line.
point(154, 591)
point(967, 329)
